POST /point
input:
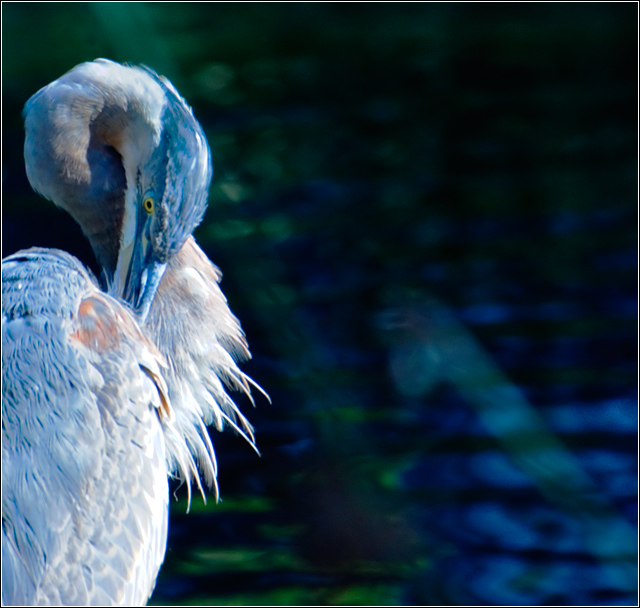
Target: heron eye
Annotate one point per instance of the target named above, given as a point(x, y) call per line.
point(147, 204)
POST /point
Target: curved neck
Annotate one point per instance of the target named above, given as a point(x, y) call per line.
point(78, 130)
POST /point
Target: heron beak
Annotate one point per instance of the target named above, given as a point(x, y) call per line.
point(138, 275)
point(148, 284)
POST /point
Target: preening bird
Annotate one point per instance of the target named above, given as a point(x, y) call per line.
point(108, 386)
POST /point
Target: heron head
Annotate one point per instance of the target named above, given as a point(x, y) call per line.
point(119, 149)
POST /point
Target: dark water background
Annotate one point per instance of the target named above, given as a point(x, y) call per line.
point(426, 215)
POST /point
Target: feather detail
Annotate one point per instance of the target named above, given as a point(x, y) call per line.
point(195, 331)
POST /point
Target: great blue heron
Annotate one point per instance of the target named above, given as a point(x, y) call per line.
point(107, 388)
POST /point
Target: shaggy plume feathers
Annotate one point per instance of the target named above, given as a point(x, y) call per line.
point(201, 340)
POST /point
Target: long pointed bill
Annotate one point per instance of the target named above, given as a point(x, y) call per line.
point(137, 276)
point(148, 285)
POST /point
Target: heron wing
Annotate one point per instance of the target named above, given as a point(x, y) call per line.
point(84, 479)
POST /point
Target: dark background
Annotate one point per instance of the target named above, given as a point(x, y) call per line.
point(427, 219)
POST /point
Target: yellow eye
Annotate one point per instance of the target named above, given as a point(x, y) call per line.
point(147, 204)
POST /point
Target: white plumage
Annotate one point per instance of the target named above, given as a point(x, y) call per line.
point(108, 391)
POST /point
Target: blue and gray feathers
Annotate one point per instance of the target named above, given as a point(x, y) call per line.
point(103, 137)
